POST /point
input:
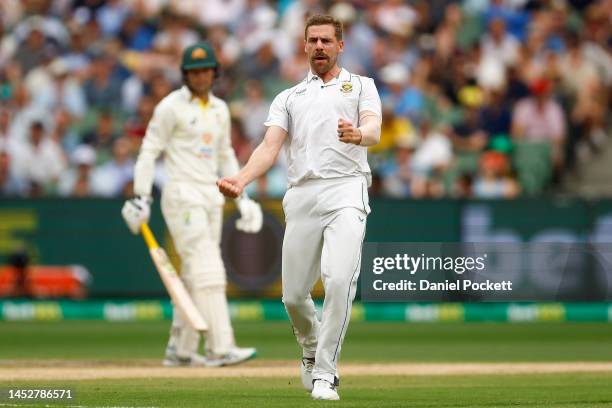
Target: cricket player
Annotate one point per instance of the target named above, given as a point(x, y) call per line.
point(192, 128)
point(326, 123)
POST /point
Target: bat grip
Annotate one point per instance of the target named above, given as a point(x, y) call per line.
point(148, 236)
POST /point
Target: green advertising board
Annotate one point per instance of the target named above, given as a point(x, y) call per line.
point(91, 233)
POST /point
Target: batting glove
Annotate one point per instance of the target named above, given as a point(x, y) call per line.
point(136, 212)
point(251, 217)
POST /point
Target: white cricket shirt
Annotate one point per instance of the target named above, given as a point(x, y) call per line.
point(309, 112)
point(195, 139)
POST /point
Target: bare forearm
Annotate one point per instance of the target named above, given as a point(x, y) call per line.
point(264, 155)
point(261, 160)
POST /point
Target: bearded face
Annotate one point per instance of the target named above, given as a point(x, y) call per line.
point(322, 48)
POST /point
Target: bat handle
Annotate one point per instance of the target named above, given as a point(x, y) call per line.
point(148, 236)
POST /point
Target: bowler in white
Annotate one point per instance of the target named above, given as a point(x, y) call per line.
point(325, 124)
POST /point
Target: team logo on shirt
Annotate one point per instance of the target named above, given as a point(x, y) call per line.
point(206, 150)
point(346, 87)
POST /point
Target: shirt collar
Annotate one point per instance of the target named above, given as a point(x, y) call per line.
point(344, 75)
point(189, 97)
point(186, 93)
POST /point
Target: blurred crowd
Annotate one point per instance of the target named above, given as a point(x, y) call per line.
point(481, 98)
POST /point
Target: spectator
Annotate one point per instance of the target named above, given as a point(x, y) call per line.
point(11, 11)
point(539, 118)
point(10, 184)
point(136, 126)
point(5, 121)
point(493, 179)
point(43, 161)
point(143, 81)
point(431, 158)
point(263, 62)
point(109, 179)
point(393, 130)
point(463, 186)
point(516, 87)
point(500, 45)
point(446, 34)
point(175, 35)
point(76, 181)
point(53, 87)
point(159, 86)
point(396, 17)
point(23, 112)
point(469, 135)
point(401, 50)
point(516, 20)
point(581, 87)
point(256, 18)
point(407, 99)
point(34, 51)
point(103, 136)
point(293, 68)
point(579, 77)
point(396, 174)
point(15, 150)
point(110, 17)
point(495, 115)
point(135, 33)
point(292, 22)
point(63, 132)
point(254, 111)
point(103, 88)
point(226, 43)
point(215, 12)
point(358, 36)
point(76, 58)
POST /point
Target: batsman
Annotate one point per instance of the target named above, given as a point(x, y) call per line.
point(191, 127)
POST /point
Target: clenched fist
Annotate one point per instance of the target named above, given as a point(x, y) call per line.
point(347, 133)
point(230, 187)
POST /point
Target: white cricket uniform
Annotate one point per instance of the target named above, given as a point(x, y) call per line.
point(325, 208)
point(195, 140)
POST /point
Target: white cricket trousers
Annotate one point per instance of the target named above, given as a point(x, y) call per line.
point(325, 227)
point(194, 215)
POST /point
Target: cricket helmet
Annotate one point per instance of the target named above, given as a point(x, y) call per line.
point(200, 55)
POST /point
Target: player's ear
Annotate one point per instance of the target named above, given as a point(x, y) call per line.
point(340, 46)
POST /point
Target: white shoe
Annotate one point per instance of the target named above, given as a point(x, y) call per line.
point(307, 367)
point(194, 360)
point(236, 355)
point(324, 390)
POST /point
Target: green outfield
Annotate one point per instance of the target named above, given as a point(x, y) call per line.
point(586, 390)
point(33, 354)
point(366, 341)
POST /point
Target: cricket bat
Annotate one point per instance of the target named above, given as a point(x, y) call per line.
point(179, 295)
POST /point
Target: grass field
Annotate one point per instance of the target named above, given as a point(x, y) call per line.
point(96, 346)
